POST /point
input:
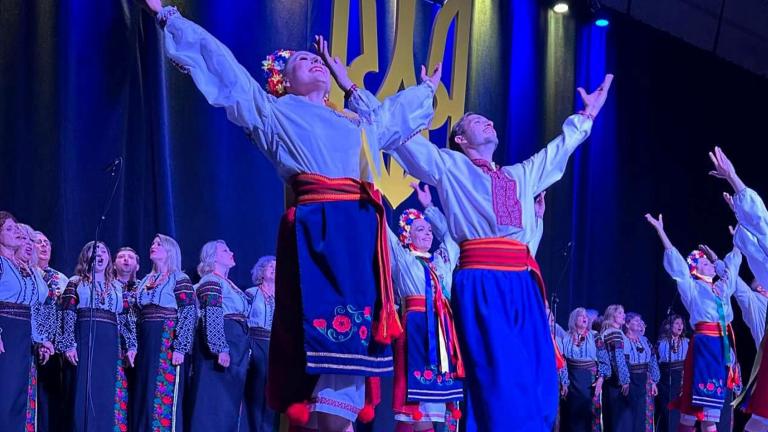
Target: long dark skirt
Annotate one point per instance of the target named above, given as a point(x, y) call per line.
point(500, 316)
point(159, 386)
point(667, 419)
point(216, 392)
point(50, 392)
point(105, 407)
point(626, 413)
point(578, 410)
point(18, 374)
point(258, 416)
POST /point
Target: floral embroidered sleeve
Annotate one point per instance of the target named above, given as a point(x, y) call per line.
point(68, 304)
point(187, 315)
point(614, 343)
point(603, 360)
point(211, 299)
point(127, 321)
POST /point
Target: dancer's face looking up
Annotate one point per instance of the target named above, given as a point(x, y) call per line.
point(306, 73)
point(421, 235)
point(705, 267)
point(474, 132)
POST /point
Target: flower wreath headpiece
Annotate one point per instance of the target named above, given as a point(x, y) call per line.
point(274, 68)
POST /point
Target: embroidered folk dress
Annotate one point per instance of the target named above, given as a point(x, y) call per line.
point(483, 201)
point(586, 361)
point(51, 413)
point(216, 393)
point(167, 314)
point(22, 323)
point(318, 351)
point(709, 373)
point(97, 328)
point(671, 356)
point(427, 357)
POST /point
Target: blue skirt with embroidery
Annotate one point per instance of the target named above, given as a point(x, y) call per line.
point(425, 383)
point(511, 379)
point(325, 300)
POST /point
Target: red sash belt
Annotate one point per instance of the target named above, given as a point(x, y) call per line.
point(445, 314)
point(315, 188)
point(505, 254)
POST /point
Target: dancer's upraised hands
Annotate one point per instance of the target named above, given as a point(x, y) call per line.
point(594, 101)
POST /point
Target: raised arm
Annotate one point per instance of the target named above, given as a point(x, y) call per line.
point(448, 249)
point(753, 309)
point(658, 225)
point(399, 116)
point(548, 165)
point(217, 74)
point(757, 258)
point(674, 263)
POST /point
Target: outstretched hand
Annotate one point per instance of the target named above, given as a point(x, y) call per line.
point(433, 79)
point(723, 166)
point(729, 200)
point(656, 223)
point(711, 255)
point(335, 66)
point(594, 101)
point(423, 194)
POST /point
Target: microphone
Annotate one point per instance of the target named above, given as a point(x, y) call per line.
point(114, 164)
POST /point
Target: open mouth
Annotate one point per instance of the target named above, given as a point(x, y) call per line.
point(316, 69)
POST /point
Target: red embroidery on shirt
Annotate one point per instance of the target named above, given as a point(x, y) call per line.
point(506, 205)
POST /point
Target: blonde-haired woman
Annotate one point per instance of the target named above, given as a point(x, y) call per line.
point(587, 366)
point(93, 323)
point(222, 348)
point(617, 413)
point(167, 315)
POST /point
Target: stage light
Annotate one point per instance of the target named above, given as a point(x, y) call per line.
point(599, 14)
point(602, 22)
point(560, 7)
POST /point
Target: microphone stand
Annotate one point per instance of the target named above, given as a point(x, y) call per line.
point(554, 298)
point(116, 170)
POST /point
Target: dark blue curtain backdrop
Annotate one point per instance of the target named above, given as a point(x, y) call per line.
point(83, 82)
